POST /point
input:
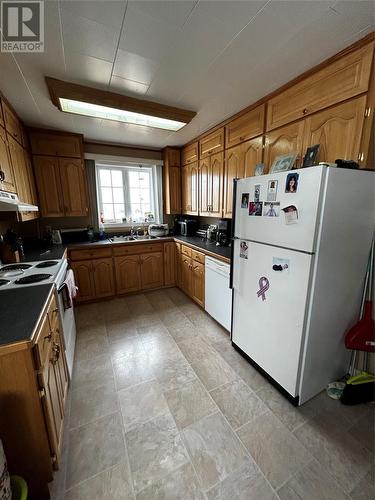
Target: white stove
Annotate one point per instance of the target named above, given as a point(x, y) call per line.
point(31, 273)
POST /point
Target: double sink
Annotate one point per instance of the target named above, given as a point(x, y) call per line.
point(122, 239)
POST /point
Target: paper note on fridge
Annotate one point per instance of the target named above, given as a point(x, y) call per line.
point(291, 214)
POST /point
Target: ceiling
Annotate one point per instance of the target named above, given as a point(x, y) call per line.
point(213, 57)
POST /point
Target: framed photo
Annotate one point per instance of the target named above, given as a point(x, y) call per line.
point(311, 156)
point(283, 163)
point(259, 169)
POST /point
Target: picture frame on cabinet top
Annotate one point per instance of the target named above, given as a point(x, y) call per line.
point(283, 163)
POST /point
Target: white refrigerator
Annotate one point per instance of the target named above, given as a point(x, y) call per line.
point(301, 243)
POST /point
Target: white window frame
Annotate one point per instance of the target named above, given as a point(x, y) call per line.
point(156, 195)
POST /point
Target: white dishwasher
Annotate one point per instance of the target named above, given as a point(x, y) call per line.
point(218, 295)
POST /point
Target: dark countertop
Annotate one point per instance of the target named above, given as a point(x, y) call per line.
point(55, 252)
point(209, 246)
point(20, 311)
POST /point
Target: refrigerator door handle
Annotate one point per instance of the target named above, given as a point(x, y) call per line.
point(233, 232)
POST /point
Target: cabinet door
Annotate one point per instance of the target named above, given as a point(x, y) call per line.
point(8, 183)
point(190, 189)
point(47, 177)
point(178, 264)
point(172, 190)
point(74, 187)
point(204, 187)
point(83, 277)
point(169, 264)
point(189, 154)
point(186, 275)
point(212, 143)
point(128, 274)
point(288, 139)
point(338, 130)
point(197, 291)
point(2, 124)
point(216, 185)
point(245, 127)
point(60, 368)
point(194, 176)
point(56, 144)
point(28, 185)
point(12, 124)
point(233, 167)
point(252, 153)
point(152, 270)
point(104, 284)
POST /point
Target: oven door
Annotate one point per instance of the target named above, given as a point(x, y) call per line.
point(67, 319)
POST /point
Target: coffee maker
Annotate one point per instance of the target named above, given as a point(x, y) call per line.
point(223, 233)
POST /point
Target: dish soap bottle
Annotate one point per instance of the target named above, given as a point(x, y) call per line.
point(102, 235)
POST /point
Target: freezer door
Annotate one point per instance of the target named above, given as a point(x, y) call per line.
point(268, 324)
point(273, 229)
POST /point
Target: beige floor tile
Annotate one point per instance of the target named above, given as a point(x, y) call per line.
point(119, 329)
point(346, 414)
point(147, 319)
point(161, 347)
point(141, 403)
point(92, 372)
point(238, 403)
point(115, 309)
point(155, 450)
point(365, 489)
point(344, 458)
point(132, 371)
point(195, 349)
point(87, 332)
point(364, 430)
point(88, 315)
point(112, 484)
point(91, 347)
point(153, 332)
point(127, 348)
point(310, 483)
point(93, 448)
point(214, 449)
point(185, 330)
point(189, 403)
point(213, 371)
point(181, 484)
point(177, 296)
point(274, 448)
point(291, 416)
point(89, 404)
point(246, 483)
point(172, 373)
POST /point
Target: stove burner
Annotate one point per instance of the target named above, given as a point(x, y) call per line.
point(15, 267)
point(47, 263)
point(4, 282)
point(33, 278)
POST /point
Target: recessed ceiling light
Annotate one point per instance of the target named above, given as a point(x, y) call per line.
point(119, 115)
point(96, 103)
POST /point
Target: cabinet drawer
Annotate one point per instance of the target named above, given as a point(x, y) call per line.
point(131, 249)
point(212, 143)
point(245, 127)
point(93, 253)
point(189, 153)
point(197, 256)
point(186, 250)
point(345, 78)
point(12, 124)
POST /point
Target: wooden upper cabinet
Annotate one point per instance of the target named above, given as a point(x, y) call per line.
point(152, 270)
point(338, 130)
point(104, 284)
point(204, 186)
point(172, 181)
point(240, 163)
point(43, 143)
point(189, 183)
point(47, 175)
point(288, 139)
point(12, 123)
point(340, 80)
point(246, 126)
point(8, 183)
point(2, 124)
point(74, 189)
point(189, 153)
point(216, 184)
point(212, 143)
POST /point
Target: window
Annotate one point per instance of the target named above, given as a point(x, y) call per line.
point(127, 194)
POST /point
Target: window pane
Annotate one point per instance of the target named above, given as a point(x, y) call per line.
point(105, 177)
point(107, 195)
point(133, 179)
point(118, 195)
point(144, 195)
point(108, 212)
point(117, 178)
point(119, 212)
point(144, 180)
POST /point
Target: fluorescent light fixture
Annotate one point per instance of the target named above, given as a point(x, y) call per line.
point(119, 115)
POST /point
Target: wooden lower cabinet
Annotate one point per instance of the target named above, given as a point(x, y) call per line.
point(104, 284)
point(186, 276)
point(152, 270)
point(192, 277)
point(94, 279)
point(169, 263)
point(128, 274)
point(197, 287)
point(178, 263)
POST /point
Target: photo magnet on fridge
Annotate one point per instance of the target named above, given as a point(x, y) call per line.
point(255, 208)
point(272, 190)
point(244, 249)
point(256, 193)
point(291, 184)
point(271, 209)
point(291, 214)
point(281, 265)
point(245, 200)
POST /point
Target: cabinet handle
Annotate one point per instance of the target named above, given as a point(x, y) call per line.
point(56, 352)
point(367, 112)
point(361, 156)
point(304, 111)
point(48, 337)
point(2, 176)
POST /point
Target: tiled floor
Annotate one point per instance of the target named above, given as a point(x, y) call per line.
point(163, 408)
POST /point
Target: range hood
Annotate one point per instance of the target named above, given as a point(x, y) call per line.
point(9, 202)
